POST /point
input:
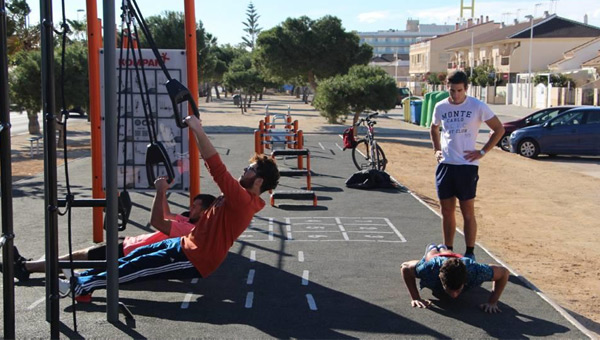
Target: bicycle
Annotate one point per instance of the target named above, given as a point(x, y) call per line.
point(362, 153)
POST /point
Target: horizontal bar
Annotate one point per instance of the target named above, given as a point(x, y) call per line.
point(84, 203)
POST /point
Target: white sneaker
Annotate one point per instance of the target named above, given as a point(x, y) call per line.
point(64, 288)
point(67, 273)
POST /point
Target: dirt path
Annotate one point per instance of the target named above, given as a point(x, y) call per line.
point(540, 217)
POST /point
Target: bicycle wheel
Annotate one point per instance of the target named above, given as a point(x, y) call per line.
point(379, 161)
point(361, 155)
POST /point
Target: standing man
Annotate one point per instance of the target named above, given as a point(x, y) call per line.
point(202, 251)
point(460, 117)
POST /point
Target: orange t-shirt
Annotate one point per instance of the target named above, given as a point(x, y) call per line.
point(222, 223)
point(179, 227)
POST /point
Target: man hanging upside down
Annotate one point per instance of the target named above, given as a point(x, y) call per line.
point(202, 251)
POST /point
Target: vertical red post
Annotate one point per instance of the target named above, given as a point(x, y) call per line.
point(192, 77)
point(308, 177)
point(94, 43)
point(300, 145)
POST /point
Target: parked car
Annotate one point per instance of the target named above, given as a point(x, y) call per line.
point(573, 132)
point(403, 92)
point(538, 117)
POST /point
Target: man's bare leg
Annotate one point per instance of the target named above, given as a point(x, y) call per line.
point(39, 266)
point(448, 208)
point(467, 208)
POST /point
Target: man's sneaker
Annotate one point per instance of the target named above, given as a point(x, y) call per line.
point(21, 272)
point(67, 273)
point(87, 298)
point(64, 288)
point(470, 256)
point(429, 248)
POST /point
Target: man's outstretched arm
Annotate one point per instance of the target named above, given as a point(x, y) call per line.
point(500, 279)
point(205, 147)
point(410, 279)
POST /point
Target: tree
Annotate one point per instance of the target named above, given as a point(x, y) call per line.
point(242, 75)
point(312, 49)
point(25, 80)
point(168, 32)
point(332, 98)
point(557, 80)
point(484, 75)
point(252, 28)
point(20, 37)
point(24, 86)
point(78, 28)
point(225, 55)
point(363, 88)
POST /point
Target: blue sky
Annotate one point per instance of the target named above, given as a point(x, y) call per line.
point(224, 18)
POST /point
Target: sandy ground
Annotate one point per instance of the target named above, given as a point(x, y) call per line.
point(538, 216)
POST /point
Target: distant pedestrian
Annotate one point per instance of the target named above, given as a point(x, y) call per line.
point(460, 117)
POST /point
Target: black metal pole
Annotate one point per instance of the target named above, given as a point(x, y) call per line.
point(111, 151)
point(50, 172)
point(6, 187)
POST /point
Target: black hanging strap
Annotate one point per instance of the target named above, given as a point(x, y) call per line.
point(156, 154)
point(176, 90)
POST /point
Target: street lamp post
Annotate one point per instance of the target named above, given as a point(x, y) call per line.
point(472, 59)
point(396, 66)
point(79, 11)
point(529, 92)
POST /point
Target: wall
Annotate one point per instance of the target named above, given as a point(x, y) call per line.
point(544, 52)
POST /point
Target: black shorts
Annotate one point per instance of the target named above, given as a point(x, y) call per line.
point(458, 181)
point(99, 252)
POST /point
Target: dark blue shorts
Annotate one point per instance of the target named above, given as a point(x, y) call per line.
point(458, 181)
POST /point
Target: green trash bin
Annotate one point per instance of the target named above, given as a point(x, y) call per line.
point(424, 108)
point(436, 98)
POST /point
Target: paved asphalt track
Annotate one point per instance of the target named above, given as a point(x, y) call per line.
point(298, 272)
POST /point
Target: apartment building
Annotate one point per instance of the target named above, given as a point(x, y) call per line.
point(509, 48)
point(391, 48)
point(397, 42)
point(431, 56)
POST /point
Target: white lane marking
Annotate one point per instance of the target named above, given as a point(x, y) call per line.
point(194, 281)
point(250, 279)
point(249, 299)
point(288, 227)
point(33, 305)
point(186, 301)
point(344, 233)
point(394, 229)
point(301, 256)
point(270, 229)
point(253, 256)
point(311, 302)
point(339, 147)
point(321, 145)
point(305, 278)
